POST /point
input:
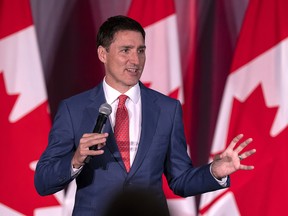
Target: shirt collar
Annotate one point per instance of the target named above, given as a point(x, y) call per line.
point(112, 94)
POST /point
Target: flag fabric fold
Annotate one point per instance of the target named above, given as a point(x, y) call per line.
point(255, 104)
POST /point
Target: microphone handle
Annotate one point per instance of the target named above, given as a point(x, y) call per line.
point(101, 120)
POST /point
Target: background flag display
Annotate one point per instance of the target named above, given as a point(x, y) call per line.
point(226, 61)
point(24, 117)
point(255, 104)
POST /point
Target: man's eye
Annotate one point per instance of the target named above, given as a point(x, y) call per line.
point(141, 51)
point(125, 50)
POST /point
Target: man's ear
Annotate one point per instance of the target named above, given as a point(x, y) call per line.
point(102, 54)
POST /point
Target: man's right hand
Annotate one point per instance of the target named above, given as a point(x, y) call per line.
point(86, 141)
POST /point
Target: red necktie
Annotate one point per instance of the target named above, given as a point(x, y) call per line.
point(121, 131)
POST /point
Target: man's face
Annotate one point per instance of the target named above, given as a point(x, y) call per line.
point(125, 60)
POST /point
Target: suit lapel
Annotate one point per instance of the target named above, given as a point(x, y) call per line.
point(98, 98)
point(150, 113)
point(92, 110)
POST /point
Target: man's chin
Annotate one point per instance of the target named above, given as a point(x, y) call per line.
point(133, 80)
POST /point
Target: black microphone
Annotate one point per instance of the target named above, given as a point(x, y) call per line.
point(104, 111)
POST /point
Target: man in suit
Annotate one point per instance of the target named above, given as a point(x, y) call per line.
point(156, 139)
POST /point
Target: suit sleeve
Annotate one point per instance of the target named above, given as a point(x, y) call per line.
point(53, 170)
point(183, 178)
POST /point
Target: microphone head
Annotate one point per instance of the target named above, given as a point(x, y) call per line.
point(105, 109)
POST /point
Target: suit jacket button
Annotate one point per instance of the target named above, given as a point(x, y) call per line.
point(127, 184)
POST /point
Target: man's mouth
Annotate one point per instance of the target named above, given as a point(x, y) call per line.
point(133, 70)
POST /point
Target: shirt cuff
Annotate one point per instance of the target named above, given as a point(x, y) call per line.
point(222, 182)
point(75, 172)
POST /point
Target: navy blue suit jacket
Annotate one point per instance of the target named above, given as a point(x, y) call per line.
point(162, 149)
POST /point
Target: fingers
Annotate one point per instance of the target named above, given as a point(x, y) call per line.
point(235, 141)
point(92, 139)
point(244, 156)
point(241, 146)
point(246, 167)
point(86, 142)
point(247, 154)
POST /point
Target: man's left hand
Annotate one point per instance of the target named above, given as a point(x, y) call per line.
point(229, 161)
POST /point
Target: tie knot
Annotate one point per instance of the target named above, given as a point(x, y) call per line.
point(122, 99)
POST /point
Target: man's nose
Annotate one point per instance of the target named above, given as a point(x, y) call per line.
point(134, 58)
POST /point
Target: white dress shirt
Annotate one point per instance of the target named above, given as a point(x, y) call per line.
point(133, 105)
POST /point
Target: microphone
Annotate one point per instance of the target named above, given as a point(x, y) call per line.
point(104, 111)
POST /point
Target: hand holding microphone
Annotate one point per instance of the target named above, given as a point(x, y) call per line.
point(80, 156)
point(104, 111)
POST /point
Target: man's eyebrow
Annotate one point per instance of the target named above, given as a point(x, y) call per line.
point(130, 47)
point(126, 46)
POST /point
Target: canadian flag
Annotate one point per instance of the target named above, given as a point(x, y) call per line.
point(162, 69)
point(255, 103)
point(24, 116)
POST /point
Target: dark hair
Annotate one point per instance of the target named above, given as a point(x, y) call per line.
point(114, 24)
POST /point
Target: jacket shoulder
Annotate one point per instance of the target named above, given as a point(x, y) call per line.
point(156, 95)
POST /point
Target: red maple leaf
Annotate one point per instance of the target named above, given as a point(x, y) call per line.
point(22, 143)
point(263, 189)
